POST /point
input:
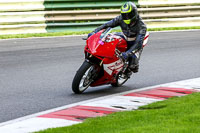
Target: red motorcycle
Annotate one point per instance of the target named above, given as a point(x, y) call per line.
point(102, 64)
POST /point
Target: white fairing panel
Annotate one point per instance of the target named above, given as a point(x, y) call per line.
point(146, 39)
point(117, 65)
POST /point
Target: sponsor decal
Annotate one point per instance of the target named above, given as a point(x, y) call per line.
point(115, 66)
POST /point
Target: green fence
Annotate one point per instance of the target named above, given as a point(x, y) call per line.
point(39, 16)
point(59, 22)
point(81, 4)
point(79, 22)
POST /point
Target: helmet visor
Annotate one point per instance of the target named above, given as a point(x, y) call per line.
point(127, 16)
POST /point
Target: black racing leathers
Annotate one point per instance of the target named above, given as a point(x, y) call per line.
point(137, 31)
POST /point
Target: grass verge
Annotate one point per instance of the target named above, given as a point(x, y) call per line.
point(44, 34)
point(83, 32)
point(175, 115)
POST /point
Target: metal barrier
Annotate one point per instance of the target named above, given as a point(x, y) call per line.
point(39, 16)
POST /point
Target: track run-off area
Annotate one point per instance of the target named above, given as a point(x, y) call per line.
point(36, 74)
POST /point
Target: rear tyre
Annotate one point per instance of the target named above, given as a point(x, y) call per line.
point(120, 80)
point(83, 78)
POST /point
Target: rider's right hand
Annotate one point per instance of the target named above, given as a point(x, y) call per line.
point(90, 34)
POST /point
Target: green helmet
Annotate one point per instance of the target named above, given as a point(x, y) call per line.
point(129, 13)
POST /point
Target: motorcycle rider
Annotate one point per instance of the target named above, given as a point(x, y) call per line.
point(133, 30)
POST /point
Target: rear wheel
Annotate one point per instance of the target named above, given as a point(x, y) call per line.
point(120, 80)
point(83, 78)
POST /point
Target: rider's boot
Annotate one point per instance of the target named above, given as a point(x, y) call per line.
point(134, 68)
point(134, 64)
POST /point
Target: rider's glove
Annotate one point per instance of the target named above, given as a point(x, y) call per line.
point(90, 34)
point(124, 55)
point(127, 54)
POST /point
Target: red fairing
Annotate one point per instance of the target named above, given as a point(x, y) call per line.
point(110, 68)
point(121, 44)
point(105, 49)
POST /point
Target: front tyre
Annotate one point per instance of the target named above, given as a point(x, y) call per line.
point(83, 78)
point(120, 80)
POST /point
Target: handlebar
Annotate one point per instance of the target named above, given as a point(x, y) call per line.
point(84, 38)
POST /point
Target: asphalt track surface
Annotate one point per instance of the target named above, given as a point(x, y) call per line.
point(36, 74)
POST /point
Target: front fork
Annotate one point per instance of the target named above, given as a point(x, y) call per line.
point(97, 63)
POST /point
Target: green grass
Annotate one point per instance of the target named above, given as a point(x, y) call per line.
point(175, 115)
point(44, 34)
point(174, 28)
point(82, 32)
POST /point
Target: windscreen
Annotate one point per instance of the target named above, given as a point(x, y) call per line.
point(104, 35)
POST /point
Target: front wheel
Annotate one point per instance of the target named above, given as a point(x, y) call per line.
point(120, 80)
point(83, 78)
